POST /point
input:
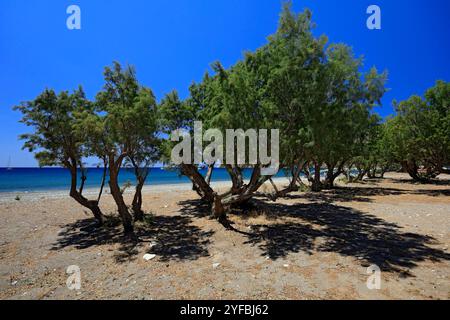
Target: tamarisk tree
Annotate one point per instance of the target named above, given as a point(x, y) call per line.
point(146, 149)
point(370, 152)
point(293, 66)
point(228, 99)
point(126, 114)
point(317, 96)
point(419, 135)
point(57, 141)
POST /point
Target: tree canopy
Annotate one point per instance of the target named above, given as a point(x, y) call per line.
point(315, 92)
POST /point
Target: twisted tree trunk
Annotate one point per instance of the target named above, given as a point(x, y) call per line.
point(410, 166)
point(384, 169)
point(114, 167)
point(332, 174)
point(316, 184)
point(199, 183)
point(141, 175)
point(209, 173)
point(293, 186)
point(237, 178)
point(137, 201)
point(220, 204)
point(77, 195)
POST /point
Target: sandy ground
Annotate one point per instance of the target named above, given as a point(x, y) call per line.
point(309, 246)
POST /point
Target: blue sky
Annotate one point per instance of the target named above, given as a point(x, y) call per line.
point(172, 43)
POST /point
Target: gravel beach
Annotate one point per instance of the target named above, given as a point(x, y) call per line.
point(307, 246)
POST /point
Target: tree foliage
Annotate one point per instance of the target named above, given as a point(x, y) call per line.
point(56, 139)
point(316, 93)
point(418, 137)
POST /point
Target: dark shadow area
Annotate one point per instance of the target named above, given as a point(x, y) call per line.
point(345, 231)
point(278, 240)
point(435, 182)
point(322, 226)
point(373, 180)
point(433, 193)
point(174, 237)
point(177, 240)
point(200, 209)
point(195, 208)
point(361, 194)
point(346, 194)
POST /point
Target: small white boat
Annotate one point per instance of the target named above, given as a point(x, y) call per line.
point(8, 167)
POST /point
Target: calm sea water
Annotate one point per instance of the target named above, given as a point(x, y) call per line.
point(41, 179)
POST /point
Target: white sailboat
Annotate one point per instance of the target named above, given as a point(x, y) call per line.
point(8, 167)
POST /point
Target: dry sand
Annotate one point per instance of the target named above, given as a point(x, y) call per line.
point(309, 246)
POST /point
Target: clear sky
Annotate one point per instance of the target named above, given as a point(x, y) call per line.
point(172, 43)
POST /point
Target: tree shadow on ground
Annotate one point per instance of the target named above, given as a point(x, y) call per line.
point(330, 228)
point(435, 182)
point(195, 208)
point(347, 194)
point(361, 194)
point(173, 238)
point(199, 209)
point(323, 227)
point(429, 192)
point(177, 240)
point(433, 193)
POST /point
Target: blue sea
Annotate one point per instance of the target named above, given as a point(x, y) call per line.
point(44, 179)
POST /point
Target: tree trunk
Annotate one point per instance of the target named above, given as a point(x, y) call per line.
point(411, 168)
point(361, 173)
point(316, 183)
point(195, 185)
point(141, 175)
point(97, 213)
point(137, 201)
point(205, 191)
point(348, 172)
point(198, 181)
point(127, 221)
point(197, 189)
point(293, 185)
point(372, 171)
point(384, 169)
point(218, 210)
point(221, 204)
point(102, 185)
point(78, 196)
point(332, 175)
point(237, 179)
point(307, 172)
point(209, 174)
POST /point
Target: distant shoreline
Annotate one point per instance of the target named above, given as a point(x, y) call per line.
point(93, 192)
point(57, 180)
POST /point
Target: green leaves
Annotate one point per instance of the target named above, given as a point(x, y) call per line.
point(314, 92)
point(53, 117)
point(420, 133)
point(127, 121)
